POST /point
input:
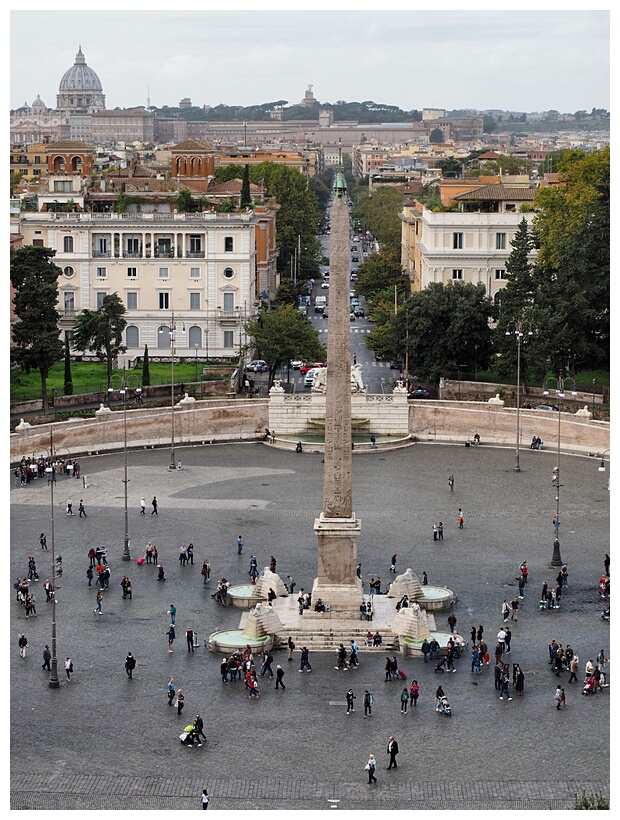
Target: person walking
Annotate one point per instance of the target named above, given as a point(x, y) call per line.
point(171, 636)
point(505, 686)
point(404, 700)
point(199, 724)
point(82, 509)
point(521, 580)
point(367, 700)
point(266, 661)
point(205, 797)
point(98, 611)
point(47, 657)
point(371, 768)
point(205, 571)
point(142, 506)
point(170, 691)
point(70, 506)
point(461, 519)
point(130, 664)
point(573, 668)
point(68, 668)
point(393, 562)
point(514, 609)
point(559, 697)
point(507, 639)
point(392, 750)
point(189, 637)
point(451, 483)
point(190, 553)
point(180, 701)
point(239, 545)
point(305, 664)
point(505, 610)
point(23, 645)
point(350, 698)
point(173, 614)
point(279, 677)
point(154, 505)
point(43, 541)
point(452, 621)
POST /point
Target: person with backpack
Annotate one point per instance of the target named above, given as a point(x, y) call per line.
point(130, 664)
point(267, 660)
point(404, 700)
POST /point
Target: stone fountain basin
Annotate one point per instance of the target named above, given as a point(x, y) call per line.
point(320, 422)
point(228, 640)
point(245, 596)
point(413, 646)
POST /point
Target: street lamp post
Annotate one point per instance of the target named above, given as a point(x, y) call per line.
point(54, 683)
point(172, 328)
point(593, 395)
point(196, 346)
point(556, 560)
point(601, 468)
point(518, 332)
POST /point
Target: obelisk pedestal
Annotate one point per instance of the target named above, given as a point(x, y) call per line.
point(337, 583)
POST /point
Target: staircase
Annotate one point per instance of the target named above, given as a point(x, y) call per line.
point(327, 639)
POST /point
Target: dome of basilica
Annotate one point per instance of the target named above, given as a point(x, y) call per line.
point(80, 77)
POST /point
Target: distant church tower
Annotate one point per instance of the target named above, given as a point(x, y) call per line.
point(80, 90)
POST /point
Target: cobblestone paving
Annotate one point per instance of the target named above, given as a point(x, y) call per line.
point(291, 750)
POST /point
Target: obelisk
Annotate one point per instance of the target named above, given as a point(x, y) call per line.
point(337, 528)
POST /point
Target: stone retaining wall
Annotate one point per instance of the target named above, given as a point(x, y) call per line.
point(246, 420)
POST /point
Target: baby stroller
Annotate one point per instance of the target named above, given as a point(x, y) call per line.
point(188, 735)
point(444, 706)
point(441, 665)
point(589, 687)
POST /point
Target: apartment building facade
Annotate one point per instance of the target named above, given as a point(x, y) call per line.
point(466, 245)
point(200, 268)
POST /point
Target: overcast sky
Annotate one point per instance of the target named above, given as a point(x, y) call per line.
point(519, 60)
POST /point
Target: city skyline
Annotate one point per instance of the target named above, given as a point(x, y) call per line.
point(554, 59)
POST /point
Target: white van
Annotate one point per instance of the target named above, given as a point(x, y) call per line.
point(320, 303)
point(309, 380)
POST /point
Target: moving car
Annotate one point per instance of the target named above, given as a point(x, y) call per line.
point(419, 393)
point(396, 365)
point(257, 366)
point(359, 311)
point(296, 364)
point(309, 366)
point(325, 284)
point(351, 316)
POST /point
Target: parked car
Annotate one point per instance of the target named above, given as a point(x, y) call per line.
point(325, 284)
point(396, 365)
point(419, 393)
point(296, 364)
point(544, 407)
point(309, 378)
point(257, 366)
point(351, 316)
point(359, 311)
point(309, 366)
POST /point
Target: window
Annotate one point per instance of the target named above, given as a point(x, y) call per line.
point(100, 297)
point(163, 273)
point(457, 241)
point(38, 243)
point(195, 336)
point(228, 273)
point(229, 339)
point(132, 273)
point(500, 241)
point(228, 244)
point(229, 302)
point(500, 273)
point(67, 244)
point(68, 271)
point(194, 273)
point(69, 300)
point(457, 273)
point(511, 207)
point(62, 186)
point(195, 244)
point(132, 300)
point(194, 301)
point(37, 160)
point(133, 246)
point(102, 273)
point(132, 336)
point(164, 300)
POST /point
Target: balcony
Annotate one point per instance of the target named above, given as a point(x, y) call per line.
point(164, 253)
point(102, 254)
point(132, 254)
point(195, 254)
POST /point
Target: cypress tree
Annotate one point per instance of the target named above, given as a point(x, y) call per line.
point(146, 376)
point(68, 379)
point(246, 198)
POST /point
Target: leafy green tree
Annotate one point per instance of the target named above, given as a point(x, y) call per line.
point(380, 272)
point(68, 379)
point(444, 328)
point(146, 373)
point(225, 173)
point(449, 167)
point(289, 292)
point(36, 340)
point(572, 272)
point(379, 214)
point(16, 178)
point(101, 331)
point(246, 198)
point(436, 135)
point(282, 335)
